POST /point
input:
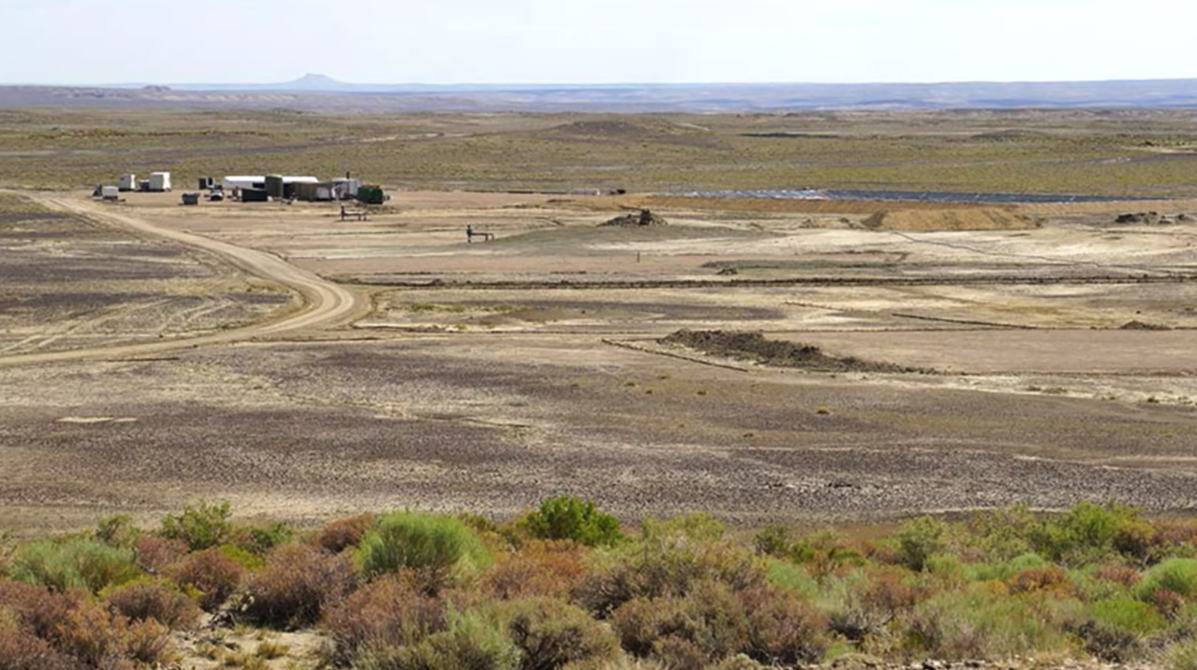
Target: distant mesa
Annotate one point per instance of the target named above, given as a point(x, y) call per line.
point(156, 89)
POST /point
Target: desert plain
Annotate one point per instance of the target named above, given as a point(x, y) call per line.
point(303, 367)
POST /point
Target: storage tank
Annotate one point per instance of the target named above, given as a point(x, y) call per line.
point(159, 181)
point(275, 186)
point(128, 182)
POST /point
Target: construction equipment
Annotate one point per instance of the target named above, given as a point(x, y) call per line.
point(371, 194)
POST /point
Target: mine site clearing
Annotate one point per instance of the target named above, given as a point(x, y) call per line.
point(396, 362)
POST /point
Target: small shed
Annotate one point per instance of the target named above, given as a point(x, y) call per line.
point(128, 182)
point(159, 181)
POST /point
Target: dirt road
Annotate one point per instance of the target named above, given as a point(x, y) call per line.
point(325, 304)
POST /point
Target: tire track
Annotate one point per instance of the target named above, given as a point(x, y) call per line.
point(324, 303)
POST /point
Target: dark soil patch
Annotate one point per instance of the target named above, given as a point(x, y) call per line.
point(756, 347)
point(1141, 325)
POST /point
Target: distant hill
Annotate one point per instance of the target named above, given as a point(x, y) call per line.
point(321, 93)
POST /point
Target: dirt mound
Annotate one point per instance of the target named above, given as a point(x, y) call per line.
point(756, 347)
point(643, 218)
point(1140, 325)
point(949, 219)
point(1149, 219)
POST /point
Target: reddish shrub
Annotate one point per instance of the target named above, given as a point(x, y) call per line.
point(782, 629)
point(540, 568)
point(147, 643)
point(298, 584)
point(553, 633)
point(888, 591)
point(345, 533)
point(20, 649)
point(1173, 533)
point(391, 612)
point(210, 574)
point(711, 618)
point(93, 636)
point(1169, 603)
point(1041, 579)
point(37, 608)
point(154, 553)
point(154, 601)
point(1120, 574)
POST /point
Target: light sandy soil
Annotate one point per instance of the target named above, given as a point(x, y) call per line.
point(444, 375)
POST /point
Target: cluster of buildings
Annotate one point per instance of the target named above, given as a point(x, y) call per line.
point(253, 188)
point(280, 187)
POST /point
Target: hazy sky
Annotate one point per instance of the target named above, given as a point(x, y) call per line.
point(586, 41)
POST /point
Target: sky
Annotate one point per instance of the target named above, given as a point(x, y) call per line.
point(69, 42)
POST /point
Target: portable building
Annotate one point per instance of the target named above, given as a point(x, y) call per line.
point(206, 183)
point(319, 192)
point(159, 181)
point(258, 182)
point(111, 192)
point(345, 189)
point(254, 195)
point(128, 182)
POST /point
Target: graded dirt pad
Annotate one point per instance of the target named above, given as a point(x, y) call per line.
point(69, 282)
point(756, 347)
point(1112, 352)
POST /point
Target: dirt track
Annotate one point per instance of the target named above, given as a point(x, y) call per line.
point(324, 303)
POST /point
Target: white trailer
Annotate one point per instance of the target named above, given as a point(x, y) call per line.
point(111, 193)
point(128, 182)
point(159, 181)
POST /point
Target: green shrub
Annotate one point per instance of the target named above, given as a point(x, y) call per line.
point(153, 600)
point(473, 641)
point(551, 633)
point(1178, 575)
point(200, 527)
point(1083, 535)
point(1134, 616)
point(920, 539)
point(75, 564)
point(298, 583)
point(665, 564)
point(793, 578)
point(571, 518)
point(775, 540)
point(980, 624)
point(436, 546)
point(118, 531)
point(1004, 570)
point(1183, 656)
point(248, 560)
point(259, 540)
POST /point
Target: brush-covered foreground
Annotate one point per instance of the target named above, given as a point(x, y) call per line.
point(565, 587)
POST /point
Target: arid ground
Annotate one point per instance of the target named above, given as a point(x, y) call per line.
point(390, 364)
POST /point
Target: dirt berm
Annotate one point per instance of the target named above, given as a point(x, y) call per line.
point(949, 219)
point(756, 347)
